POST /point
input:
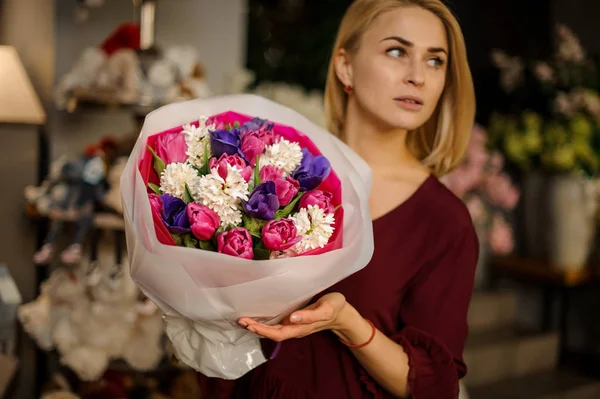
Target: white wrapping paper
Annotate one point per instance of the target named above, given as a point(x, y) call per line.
point(202, 293)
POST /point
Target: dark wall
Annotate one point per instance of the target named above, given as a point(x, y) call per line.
point(291, 40)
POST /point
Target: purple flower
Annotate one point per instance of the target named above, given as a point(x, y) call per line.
point(257, 124)
point(312, 170)
point(174, 214)
point(225, 142)
point(263, 202)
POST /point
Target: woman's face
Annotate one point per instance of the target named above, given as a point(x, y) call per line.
point(399, 71)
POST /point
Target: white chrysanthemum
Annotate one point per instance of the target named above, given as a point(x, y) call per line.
point(175, 176)
point(223, 195)
point(315, 227)
point(284, 154)
point(196, 138)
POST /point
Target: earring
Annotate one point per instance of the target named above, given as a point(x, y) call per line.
point(348, 89)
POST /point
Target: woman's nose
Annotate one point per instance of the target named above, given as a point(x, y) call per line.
point(415, 76)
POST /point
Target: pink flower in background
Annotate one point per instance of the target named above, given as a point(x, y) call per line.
point(464, 179)
point(476, 209)
point(477, 155)
point(496, 162)
point(171, 147)
point(234, 160)
point(501, 191)
point(501, 236)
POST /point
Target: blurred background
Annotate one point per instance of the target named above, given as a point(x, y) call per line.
point(77, 78)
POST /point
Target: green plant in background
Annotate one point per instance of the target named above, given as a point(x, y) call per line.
point(551, 119)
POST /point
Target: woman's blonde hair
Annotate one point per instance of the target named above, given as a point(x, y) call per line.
point(442, 141)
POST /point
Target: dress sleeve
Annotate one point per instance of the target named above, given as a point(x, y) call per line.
point(434, 315)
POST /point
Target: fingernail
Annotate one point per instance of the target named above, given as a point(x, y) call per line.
point(295, 318)
point(243, 323)
point(251, 328)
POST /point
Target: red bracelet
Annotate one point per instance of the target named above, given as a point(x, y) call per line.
point(349, 345)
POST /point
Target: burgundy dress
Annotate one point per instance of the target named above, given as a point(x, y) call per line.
point(416, 290)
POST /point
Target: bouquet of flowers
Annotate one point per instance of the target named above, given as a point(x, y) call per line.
point(551, 116)
point(237, 213)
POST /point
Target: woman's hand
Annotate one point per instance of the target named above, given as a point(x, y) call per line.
point(325, 314)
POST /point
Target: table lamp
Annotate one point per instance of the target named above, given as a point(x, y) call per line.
point(19, 103)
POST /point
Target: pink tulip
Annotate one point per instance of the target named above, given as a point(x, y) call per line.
point(171, 147)
point(286, 190)
point(280, 235)
point(234, 160)
point(236, 242)
point(270, 173)
point(203, 221)
point(319, 198)
point(252, 146)
point(156, 203)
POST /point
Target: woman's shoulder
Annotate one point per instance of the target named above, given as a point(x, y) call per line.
point(444, 209)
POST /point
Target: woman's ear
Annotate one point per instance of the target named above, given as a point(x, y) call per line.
point(343, 68)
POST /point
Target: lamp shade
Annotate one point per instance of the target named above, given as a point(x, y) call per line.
point(18, 101)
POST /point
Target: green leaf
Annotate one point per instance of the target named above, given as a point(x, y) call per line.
point(197, 169)
point(337, 207)
point(208, 246)
point(190, 241)
point(158, 164)
point(187, 195)
point(228, 127)
point(257, 179)
point(261, 254)
point(154, 188)
point(237, 125)
point(205, 169)
point(285, 212)
point(178, 240)
point(253, 225)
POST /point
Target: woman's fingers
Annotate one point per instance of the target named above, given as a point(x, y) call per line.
point(322, 312)
point(279, 332)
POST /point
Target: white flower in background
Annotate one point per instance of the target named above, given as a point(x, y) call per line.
point(223, 195)
point(544, 72)
point(284, 155)
point(175, 176)
point(511, 69)
point(564, 105)
point(569, 47)
point(196, 138)
point(309, 104)
point(315, 227)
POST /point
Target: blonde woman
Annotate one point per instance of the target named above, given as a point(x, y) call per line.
point(400, 93)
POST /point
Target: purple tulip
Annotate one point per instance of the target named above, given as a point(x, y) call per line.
point(225, 142)
point(174, 214)
point(312, 170)
point(263, 202)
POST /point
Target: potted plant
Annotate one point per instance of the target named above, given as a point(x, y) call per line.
point(549, 128)
point(490, 196)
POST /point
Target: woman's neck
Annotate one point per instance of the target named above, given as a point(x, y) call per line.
point(378, 146)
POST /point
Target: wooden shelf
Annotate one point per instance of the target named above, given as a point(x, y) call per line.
point(530, 269)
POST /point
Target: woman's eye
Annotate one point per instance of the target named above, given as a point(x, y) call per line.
point(396, 52)
point(436, 62)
